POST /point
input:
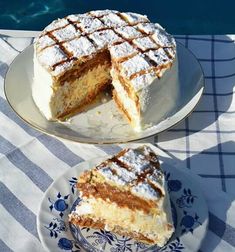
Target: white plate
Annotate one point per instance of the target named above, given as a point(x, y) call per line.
point(189, 210)
point(103, 123)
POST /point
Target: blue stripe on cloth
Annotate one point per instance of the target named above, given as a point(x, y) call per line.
point(213, 76)
point(213, 111)
point(3, 68)
point(202, 152)
point(221, 163)
point(221, 229)
point(4, 39)
point(203, 131)
point(166, 151)
point(155, 140)
point(52, 144)
point(18, 210)
point(217, 60)
point(224, 94)
point(60, 150)
point(32, 40)
point(6, 110)
point(4, 247)
point(217, 176)
point(207, 39)
point(109, 149)
point(187, 143)
point(19, 160)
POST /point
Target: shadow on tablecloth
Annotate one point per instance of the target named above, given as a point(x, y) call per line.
point(215, 174)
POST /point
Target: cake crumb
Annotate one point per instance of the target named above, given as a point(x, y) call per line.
point(104, 100)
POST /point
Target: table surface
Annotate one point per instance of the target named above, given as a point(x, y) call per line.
point(203, 143)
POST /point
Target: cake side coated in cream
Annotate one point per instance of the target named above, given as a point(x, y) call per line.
point(151, 93)
point(125, 48)
point(126, 194)
point(58, 98)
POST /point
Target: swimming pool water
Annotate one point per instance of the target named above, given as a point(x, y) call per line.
point(178, 17)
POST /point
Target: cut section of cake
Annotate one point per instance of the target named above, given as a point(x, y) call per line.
point(78, 56)
point(127, 195)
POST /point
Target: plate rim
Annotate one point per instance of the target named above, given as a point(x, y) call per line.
point(99, 159)
point(100, 141)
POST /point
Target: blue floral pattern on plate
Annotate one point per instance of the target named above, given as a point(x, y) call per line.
point(189, 211)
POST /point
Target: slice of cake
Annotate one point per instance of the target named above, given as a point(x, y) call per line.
point(78, 56)
point(127, 195)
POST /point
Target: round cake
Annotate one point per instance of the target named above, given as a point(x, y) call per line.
point(78, 56)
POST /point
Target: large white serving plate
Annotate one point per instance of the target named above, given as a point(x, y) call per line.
point(103, 123)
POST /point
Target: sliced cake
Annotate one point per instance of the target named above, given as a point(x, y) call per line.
point(78, 56)
point(127, 195)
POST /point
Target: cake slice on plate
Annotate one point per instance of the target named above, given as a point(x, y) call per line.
point(127, 195)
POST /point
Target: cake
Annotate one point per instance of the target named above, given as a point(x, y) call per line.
point(127, 195)
point(78, 56)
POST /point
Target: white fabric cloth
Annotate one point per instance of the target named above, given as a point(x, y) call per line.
point(204, 143)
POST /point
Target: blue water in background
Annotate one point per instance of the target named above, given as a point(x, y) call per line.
point(178, 17)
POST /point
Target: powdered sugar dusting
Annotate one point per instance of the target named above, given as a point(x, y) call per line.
point(145, 190)
point(117, 174)
point(134, 18)
point(122, 50)
point(90, 24)
point(145, 43)
point(106, 37)
point(127, 175)
point(113, 20)
point(68, 32)
point(128, 32)
point(163, 39)
point(44, 41)
point(85, 34)
point(61, 68)
point(51, 55)
point(108, 174)
point(134, 65)
point(80, 47)
point(56, 24)
point(100, 13)
point(143, 81)
point(149, 28)
point(139, 161)
point(76, 17)
point(156, 177)
point(136, 160)
point(159, 56)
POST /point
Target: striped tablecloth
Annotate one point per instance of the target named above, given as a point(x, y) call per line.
point(204, 143)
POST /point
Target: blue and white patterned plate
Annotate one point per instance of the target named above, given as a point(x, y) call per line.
point(189, 210)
